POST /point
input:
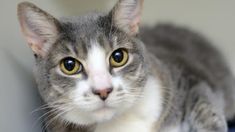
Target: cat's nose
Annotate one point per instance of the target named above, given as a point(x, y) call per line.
point(102, 93)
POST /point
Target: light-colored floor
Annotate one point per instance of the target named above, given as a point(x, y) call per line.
point(215, 19)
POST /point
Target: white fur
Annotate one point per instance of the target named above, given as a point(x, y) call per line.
point(98, 68)
point(173, 129)
point(77, 97)
point(140, 118)
point(99, 78)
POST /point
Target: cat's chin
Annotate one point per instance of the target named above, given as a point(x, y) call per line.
point(100, 115)
point(104, 114)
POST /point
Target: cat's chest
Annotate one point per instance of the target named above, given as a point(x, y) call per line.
point(128, 124)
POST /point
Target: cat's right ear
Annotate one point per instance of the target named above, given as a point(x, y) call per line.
point(40, 29)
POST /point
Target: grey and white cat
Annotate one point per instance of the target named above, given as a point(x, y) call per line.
point(98, 73)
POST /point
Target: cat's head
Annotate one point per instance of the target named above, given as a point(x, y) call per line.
point(91, 68)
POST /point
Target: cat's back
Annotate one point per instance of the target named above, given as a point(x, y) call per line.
point(181, 48)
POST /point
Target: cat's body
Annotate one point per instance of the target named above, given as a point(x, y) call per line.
point(197, 69)
point(192, 64)
point(172, 79)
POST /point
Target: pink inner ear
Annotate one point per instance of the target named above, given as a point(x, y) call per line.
point(128, 17)
point(36, 45)
point(33, 40)
point(134, 26)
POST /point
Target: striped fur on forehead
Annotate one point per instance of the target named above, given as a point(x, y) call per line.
point(76, 49)
point(77, 38)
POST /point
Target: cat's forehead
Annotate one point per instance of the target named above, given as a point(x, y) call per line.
point(83, 26)
point(80, 48)
point(80, 34)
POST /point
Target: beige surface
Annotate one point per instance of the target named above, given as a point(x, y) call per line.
point(214, 18)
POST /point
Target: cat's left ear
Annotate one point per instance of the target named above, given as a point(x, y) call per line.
point(40, 29)
point(126, 15)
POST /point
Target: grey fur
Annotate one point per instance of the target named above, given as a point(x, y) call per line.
point(200, 78)
point(198, 85)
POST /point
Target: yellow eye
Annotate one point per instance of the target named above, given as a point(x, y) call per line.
point(118, 58)
point(70, 66)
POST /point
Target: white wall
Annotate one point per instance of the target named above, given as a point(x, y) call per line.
point(214, 18)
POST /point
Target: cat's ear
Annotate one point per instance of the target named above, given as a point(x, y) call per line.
point(126, 15)
point(40, 29)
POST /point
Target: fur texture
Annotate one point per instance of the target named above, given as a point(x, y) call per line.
point(173, 81)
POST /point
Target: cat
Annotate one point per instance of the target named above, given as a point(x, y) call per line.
point(103, 73)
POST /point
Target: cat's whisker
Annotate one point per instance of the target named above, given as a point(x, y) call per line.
point(47, 114)
point(56, 117)
point(49, 105)
point(51, 112)
point(53, 107)
point(44, 107)
point(52, 115)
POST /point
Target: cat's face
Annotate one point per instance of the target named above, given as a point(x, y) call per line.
point(89, 69)
point(96, 76)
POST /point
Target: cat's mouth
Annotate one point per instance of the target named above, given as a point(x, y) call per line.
point(104, 106)
point(101, 113)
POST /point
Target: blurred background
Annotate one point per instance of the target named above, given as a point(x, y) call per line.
point(18, 94)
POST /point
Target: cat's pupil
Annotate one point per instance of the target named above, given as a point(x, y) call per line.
point(118, 56)
point(69, 64)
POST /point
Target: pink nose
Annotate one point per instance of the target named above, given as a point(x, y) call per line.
point(102, 93)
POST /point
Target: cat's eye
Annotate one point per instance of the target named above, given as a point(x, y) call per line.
point(70, 66)
point(119, 58)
